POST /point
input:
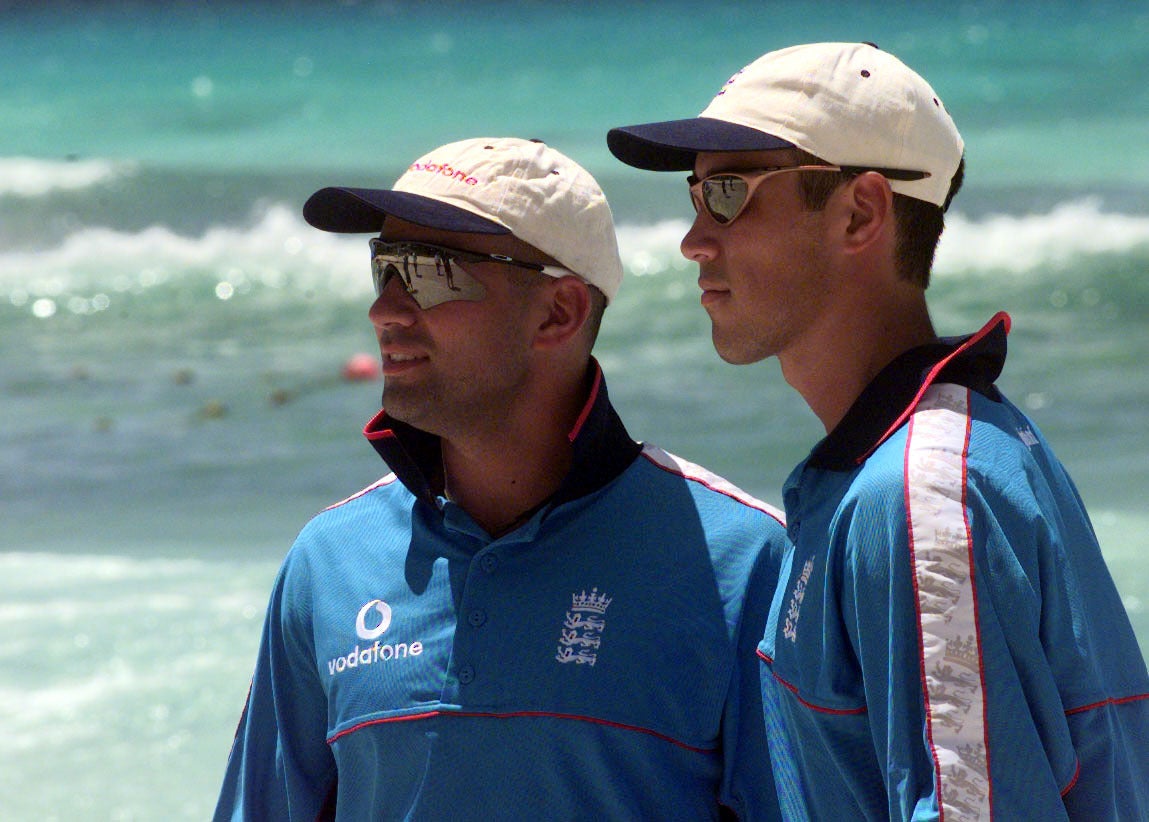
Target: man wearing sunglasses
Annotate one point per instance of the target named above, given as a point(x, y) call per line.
point(946, 641)
point(534, 616)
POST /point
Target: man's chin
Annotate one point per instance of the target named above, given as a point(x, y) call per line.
point(733, 353)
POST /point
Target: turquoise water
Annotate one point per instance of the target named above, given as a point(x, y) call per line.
point(172, 333)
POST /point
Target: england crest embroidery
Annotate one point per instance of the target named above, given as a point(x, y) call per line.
point(581, 634)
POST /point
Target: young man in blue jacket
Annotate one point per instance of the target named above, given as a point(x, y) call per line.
point(946, 641)
point(533, 616)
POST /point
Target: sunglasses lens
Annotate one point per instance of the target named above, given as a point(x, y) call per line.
point(724, 196)
point(429, 274)
point(382, 270)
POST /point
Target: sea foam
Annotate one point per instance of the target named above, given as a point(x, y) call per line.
point(35, 177)
point(276, 249)
point(1001, 242)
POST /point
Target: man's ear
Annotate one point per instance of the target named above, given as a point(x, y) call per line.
point(568, 307)
point(870, 205)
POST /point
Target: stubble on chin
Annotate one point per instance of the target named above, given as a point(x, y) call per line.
point(414, 407)
point(739, 345)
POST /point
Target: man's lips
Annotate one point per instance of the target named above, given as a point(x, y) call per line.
point(398, 362)
point(712, 292)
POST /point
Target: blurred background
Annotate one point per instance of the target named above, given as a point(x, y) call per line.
point(173, 403)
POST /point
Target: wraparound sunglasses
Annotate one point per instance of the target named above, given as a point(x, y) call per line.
point(725, 195)
point(435, 274)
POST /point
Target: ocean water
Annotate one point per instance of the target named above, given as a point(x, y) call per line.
point(172, 334)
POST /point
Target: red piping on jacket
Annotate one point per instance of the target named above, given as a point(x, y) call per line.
point(820, 708)
point(519, 715)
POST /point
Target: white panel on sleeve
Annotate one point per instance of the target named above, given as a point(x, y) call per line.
point(945, 596)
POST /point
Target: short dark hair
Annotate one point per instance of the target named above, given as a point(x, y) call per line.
point(919, 224)
point(598, 303)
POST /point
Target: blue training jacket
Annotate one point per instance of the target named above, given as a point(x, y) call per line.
point(946, 641)
point(598, 662)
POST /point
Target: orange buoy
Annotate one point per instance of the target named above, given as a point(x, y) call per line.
point(361, 368)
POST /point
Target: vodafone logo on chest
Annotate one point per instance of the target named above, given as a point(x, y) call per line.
point(373, 620)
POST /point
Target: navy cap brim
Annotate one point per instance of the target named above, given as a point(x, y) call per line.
point(362, 210)
point(672, 145)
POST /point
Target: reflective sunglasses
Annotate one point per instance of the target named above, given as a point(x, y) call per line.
point(434, 274)
point(725, 195)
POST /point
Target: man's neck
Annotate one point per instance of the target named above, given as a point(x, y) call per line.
point(845, 356)
point(503, 472)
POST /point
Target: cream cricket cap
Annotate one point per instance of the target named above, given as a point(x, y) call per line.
point(850, 104)
point(492, 186)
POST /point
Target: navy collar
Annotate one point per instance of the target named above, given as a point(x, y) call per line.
point(602, 449)
point(973, 361)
